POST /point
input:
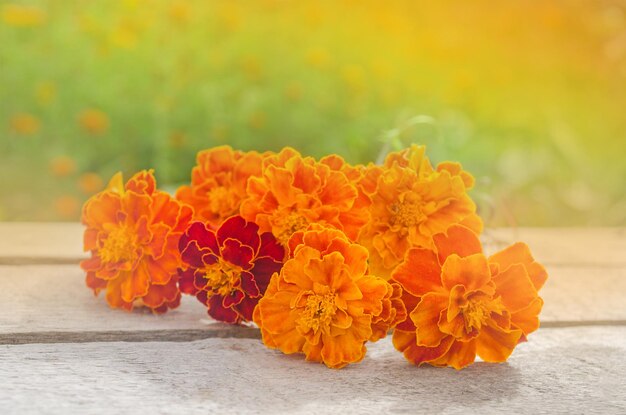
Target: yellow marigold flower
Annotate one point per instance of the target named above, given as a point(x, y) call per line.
point(25, 124)
point(62, 166)
point(257, 120)
point(412, 202)
point(93, 121)
point(218, 183)
point(293, 91)
point(90, 182)
point(354, 77)
point(22, 16)
point(45, 92)
point(132, 233)
point(180, 11)
point(318, 58)
point(324, 304)
point(294, 192)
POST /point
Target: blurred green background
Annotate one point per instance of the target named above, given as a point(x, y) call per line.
point(529, 96)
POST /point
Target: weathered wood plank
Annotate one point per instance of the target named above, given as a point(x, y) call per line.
point(54, 298)
point(560, 371)
point(44, 243)
point(597, 247)
point(32, 243)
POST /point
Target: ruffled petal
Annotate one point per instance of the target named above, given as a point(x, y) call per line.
point(472, 272)
point(457, 240)
point(426, 316)
point(519, 253)
point(420, 272)
point(495, 345)
point(515, 288)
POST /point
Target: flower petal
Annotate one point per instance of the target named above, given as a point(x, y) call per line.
point(472, 272)
point(457, 240)
point(236, 253)
point(426, 316)
point(519, 253)
point(221, 313)
point(495, 345)
point(460, 355)
point(420, 272)
point(236, 227)
point(405, 342)
point(515, 288)
point(527, 319)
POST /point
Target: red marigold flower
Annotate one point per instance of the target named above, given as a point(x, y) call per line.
point(229, 269)
point(132, 234)
point(218, 183)
point(462, 303)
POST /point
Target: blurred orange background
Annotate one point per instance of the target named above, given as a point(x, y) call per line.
point(529, 96)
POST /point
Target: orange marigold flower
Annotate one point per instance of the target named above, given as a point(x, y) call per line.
point(25, 124)
point(93, 121)
point(462, 303)
point(22, 16)
point(324, 304)
point(132, 233)
point(411, 202)
point(218, 183)
point(62, 166)
point(68, 207)
point(90, 182)
point(229, 269)
point(294, 192)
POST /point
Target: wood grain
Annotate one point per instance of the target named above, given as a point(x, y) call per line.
point(40, 243)
point(561, 371)
point(52, 298)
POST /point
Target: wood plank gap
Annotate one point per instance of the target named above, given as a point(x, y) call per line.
point(184, 335)
point(187, 335)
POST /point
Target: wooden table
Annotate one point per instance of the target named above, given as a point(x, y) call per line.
point(64, 351)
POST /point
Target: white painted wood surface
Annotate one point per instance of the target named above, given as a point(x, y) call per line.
point(559, 371)
point(64, 351)
point(54, 298)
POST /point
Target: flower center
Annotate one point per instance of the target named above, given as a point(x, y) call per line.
point(118, 246)
point(475, 314)
point(407, 213)
point(220, 201)
point(478, 311)
point(319, 311)
point(288, 225)
point(223, 277)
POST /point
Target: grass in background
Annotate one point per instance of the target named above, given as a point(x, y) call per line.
point(529, 95)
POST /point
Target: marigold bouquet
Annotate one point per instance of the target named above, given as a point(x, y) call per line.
point(321, 255)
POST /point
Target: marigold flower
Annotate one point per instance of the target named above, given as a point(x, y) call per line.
point(90, 182)
point(462, 303)
point(229, 269)
point(324, 304)
point(93, 121)
point(22, 16)
point(25, 124)
point(62, 166)
point(294, 192)
point(67, 206)
point(133, 232)
point(218, 183)
point(411, 202)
